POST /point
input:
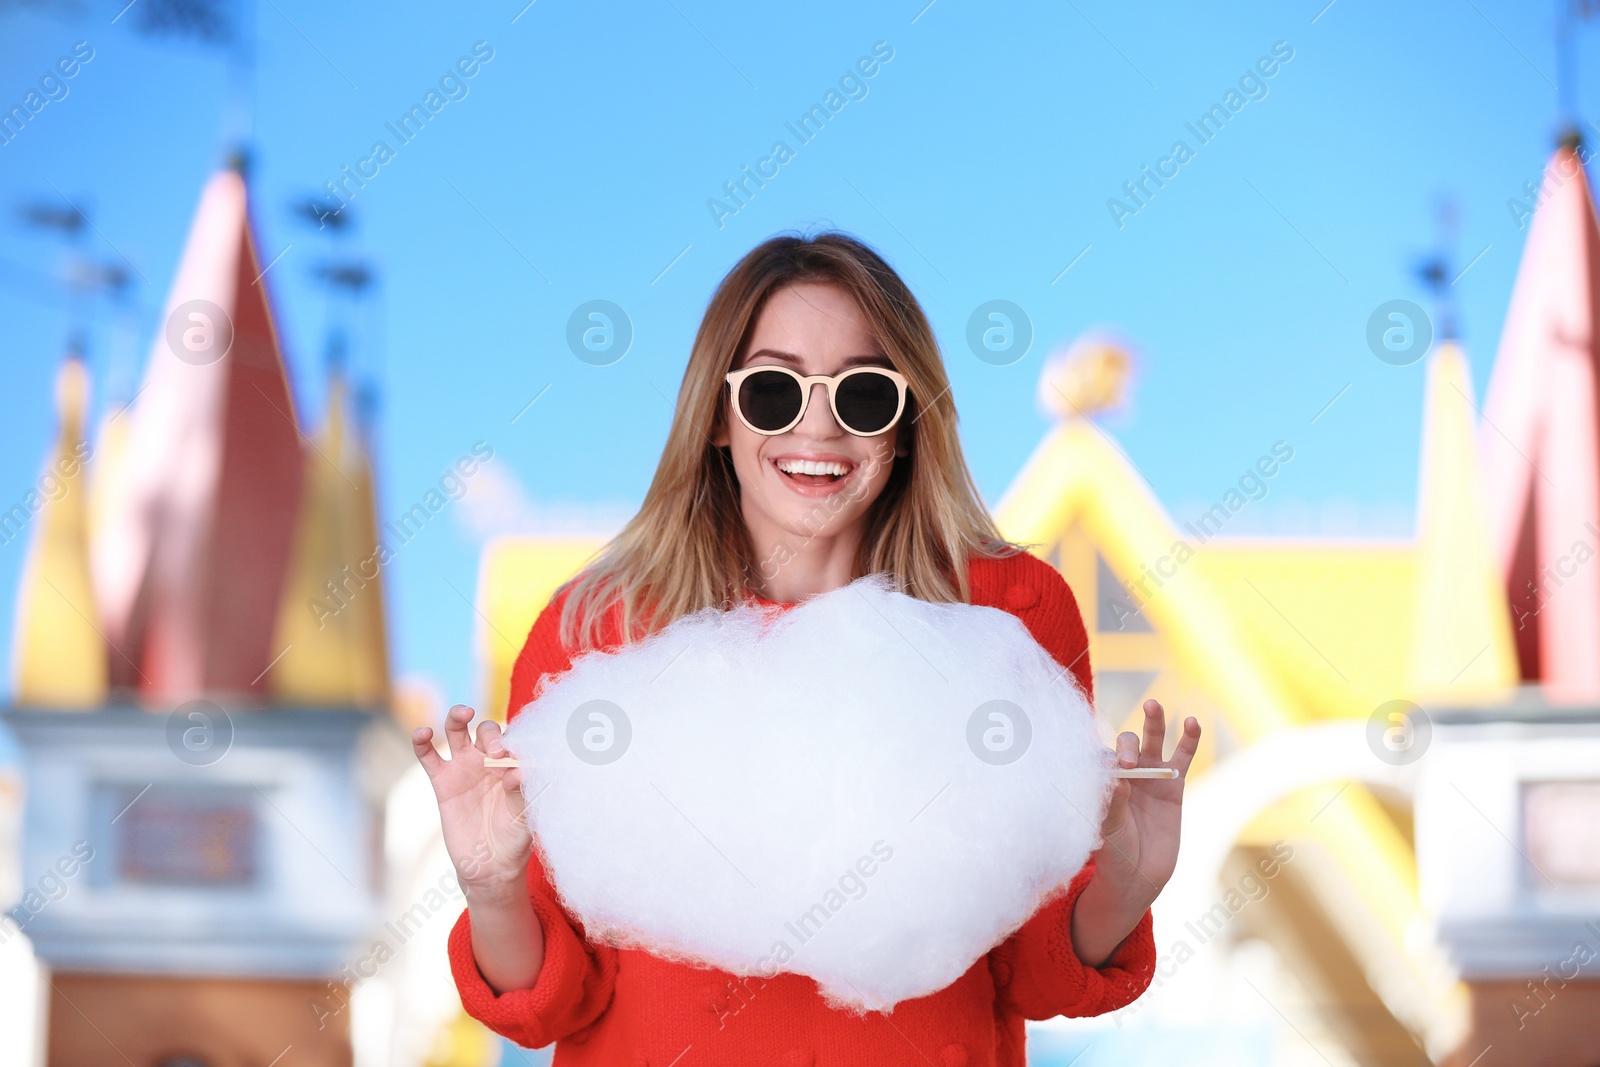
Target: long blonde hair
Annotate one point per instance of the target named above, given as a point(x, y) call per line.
point(687, 548)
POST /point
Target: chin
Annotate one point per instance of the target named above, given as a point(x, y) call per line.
point(821, 519)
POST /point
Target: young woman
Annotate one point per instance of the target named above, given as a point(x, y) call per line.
point(814, 442)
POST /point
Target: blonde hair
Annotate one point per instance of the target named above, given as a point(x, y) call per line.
point(687, 548)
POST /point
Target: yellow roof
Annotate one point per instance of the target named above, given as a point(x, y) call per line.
point(330, 624)
point(1331, 624)
point(1281, 632)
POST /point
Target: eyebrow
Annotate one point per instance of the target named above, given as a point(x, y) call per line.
point(849, 361)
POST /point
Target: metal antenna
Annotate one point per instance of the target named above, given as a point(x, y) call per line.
point(229, 27)
point(1568, 14)
point(82, 277)
point(1437, 271)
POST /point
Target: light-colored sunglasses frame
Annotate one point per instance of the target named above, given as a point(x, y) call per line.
point(736, 379)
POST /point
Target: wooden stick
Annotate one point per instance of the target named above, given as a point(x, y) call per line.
point(1117, 772)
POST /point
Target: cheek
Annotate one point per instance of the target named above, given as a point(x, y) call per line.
point(745, 449)
point(877, 467)
point(884, 459)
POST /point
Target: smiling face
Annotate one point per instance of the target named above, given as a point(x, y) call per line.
point(804, 492)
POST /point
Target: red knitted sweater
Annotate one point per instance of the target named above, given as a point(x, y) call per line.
point(608, 1006)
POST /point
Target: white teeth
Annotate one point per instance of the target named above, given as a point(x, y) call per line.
point(811, 466)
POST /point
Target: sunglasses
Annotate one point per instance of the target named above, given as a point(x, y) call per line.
point(771, 400)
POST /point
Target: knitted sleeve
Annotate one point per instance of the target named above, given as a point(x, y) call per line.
point(1037, 972)
point(575, 982)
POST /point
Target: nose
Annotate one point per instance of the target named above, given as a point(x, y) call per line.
point(818, 420)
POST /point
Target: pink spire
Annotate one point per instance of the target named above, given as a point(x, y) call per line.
point(189, 565)
point(1540, 443)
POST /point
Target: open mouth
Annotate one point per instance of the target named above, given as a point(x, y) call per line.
point(813, 472)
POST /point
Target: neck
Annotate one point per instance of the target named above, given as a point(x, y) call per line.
point(791, 566)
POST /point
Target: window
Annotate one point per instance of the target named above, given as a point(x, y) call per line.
point(1116, 610)
point(178, 835)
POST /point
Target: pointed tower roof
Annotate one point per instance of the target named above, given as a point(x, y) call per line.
point(1461, 634)
point(331, 619)
point(60, 657)
point(189, 559)
point(1540, 449)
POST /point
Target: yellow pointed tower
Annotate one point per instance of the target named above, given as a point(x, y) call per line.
point(59, 655)
point(1462, 641)
point(330, 627)
point(372, 645)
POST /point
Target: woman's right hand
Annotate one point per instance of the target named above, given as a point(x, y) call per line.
point(486, 833)
point(481, 809)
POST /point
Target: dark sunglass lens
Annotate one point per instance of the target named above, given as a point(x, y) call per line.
point(867, 402)
point(769, 399)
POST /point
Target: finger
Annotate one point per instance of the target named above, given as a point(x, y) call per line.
point(1128, 749)
point(1155, 729)
point(1117, 810)
point(511, 778)
point(1183, 755)
point(455, 729)
point(488, 738)
point(427, 755)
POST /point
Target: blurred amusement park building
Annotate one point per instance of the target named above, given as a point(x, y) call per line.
point(221, 846)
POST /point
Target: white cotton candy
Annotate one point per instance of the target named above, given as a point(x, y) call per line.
point(803, 791)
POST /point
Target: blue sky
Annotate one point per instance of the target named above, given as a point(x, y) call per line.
point(980, 159)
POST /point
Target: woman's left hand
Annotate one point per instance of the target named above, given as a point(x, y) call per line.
point(1139, 850)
